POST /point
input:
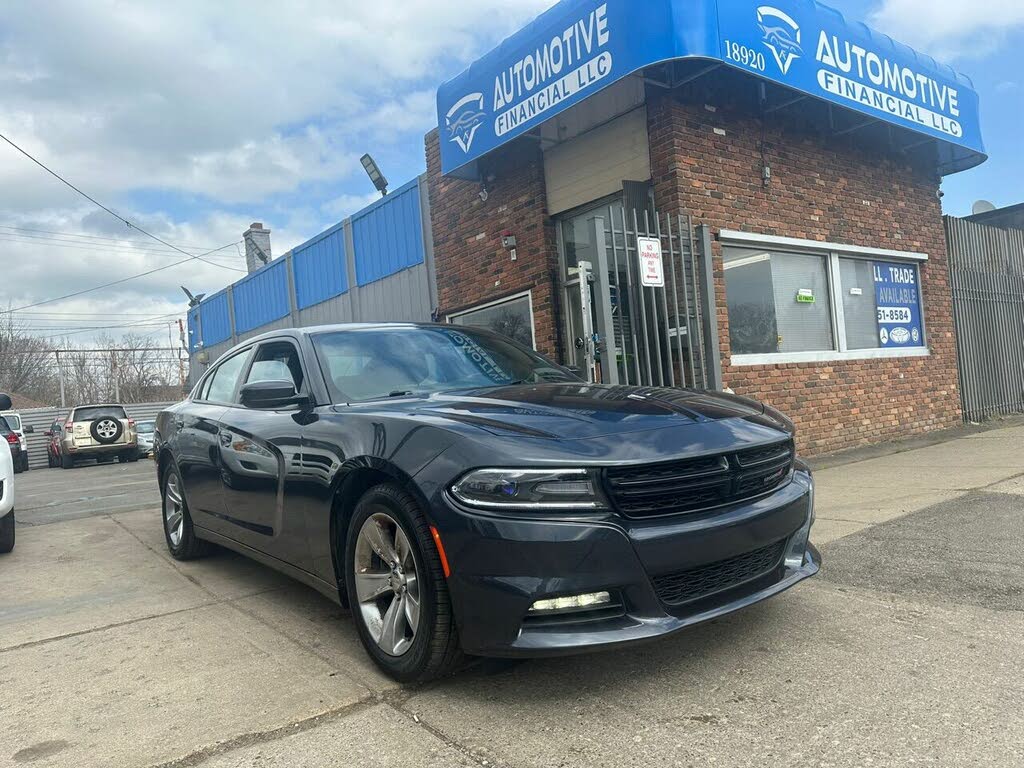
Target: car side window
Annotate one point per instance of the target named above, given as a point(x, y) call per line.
point(277, 361)
point(224, 380)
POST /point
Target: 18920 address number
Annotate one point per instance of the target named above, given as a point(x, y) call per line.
point(744, 55)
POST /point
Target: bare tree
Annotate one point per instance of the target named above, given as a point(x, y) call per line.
point(25, 366)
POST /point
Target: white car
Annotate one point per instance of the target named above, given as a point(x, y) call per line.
point(6, 489)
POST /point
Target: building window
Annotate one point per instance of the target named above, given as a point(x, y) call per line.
point(800, 301)
point(511, 317)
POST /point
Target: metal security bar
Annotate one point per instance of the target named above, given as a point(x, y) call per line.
point(986, 267)
point(657, 334)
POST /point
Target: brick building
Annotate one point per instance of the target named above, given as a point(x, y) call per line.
point(728, 196)
point(810, 251)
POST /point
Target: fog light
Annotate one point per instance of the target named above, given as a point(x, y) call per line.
point(572, 603)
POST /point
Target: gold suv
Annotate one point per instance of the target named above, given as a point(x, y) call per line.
point(101, 432)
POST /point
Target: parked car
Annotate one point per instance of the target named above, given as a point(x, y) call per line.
point(101, 432)
point(144, 431)
point(463, 494)
point(7, 463)
point(10, 437)
point(54, 437)
point(14, 422)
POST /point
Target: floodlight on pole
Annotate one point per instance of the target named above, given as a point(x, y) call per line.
point(193, 301)
point(370, 166)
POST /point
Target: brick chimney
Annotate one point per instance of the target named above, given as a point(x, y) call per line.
point(257, 246)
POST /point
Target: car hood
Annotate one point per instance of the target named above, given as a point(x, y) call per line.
point(578, 411)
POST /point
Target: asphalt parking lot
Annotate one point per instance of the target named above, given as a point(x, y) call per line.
point(907, 649)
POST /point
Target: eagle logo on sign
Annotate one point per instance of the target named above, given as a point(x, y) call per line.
point(781, 35)
point(463, 120)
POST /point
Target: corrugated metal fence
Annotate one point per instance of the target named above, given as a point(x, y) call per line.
point(986, 266)
point(376, 265)
point(40, 420)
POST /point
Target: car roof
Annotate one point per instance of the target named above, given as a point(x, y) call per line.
point(315, 329)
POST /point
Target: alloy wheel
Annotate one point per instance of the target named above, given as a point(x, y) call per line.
point(387, 584)
point(174, 511)
point(106, 429)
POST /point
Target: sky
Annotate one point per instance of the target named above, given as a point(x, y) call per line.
point(193, 119)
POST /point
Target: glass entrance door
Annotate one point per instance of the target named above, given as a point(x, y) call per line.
point(586, 239)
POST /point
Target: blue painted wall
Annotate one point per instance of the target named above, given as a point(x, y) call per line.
point(215, 319)
point(319, 267)
point(262, 297)
point(388, 235)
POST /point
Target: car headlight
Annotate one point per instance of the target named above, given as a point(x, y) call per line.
point(781, 418)
point(530, 489)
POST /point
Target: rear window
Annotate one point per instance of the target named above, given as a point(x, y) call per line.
point(93, 412)
point(13, 421)
point(146, 426)
point(4, 427)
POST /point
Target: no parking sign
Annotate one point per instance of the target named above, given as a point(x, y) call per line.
point(652, 267)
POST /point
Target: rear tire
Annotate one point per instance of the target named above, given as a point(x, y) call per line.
point(433, 650)
point(182, 542)
point(7, 533)
point(66, 462)
point(122, 459)
point(24, 463)
point(133, 457)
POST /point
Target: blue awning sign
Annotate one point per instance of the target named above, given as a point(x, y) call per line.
point(579, 47)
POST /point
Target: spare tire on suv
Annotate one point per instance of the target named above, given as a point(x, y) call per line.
point(106, 430)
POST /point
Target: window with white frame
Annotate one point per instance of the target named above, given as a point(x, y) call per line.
point(511, 317)
point(801, 301)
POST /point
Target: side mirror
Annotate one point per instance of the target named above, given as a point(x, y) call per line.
point(271, 395)
point(29, 430)
point(5, 402)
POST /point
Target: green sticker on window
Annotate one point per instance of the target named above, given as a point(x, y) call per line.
point(805, 296)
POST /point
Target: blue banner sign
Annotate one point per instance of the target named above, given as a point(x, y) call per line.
point(579, 47)
point(898, 302)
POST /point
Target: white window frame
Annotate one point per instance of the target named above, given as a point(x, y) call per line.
point(832, 252)
point(528, 295)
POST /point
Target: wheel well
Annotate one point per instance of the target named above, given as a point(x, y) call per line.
point(354, 487)
point(165, 460)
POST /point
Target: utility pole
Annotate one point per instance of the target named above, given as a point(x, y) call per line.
point(117, 384)
point(60, 376)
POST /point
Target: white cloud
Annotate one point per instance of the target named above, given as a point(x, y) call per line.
point(950, 29)
point(236, 104)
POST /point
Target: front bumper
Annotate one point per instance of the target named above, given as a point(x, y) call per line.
point(502, 565)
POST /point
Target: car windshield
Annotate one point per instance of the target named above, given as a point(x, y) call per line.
point(93, 412)
point(146, 426)
point(372, 363)
point(13, 421)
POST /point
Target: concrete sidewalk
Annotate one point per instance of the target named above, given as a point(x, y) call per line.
point(906, 649)
point(861, 494)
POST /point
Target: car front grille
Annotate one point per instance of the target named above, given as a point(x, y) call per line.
point(697, 583)
point(694, 485)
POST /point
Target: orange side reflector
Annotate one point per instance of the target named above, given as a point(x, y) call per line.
point(440, 551)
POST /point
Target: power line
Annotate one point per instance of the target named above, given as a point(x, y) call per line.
point(139, 323)
point(97, 203)
point(87, 236)
point(110, 284)
point(43, 242)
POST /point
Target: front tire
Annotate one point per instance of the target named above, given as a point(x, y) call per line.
point(7, 533)
point(397, 588)
point(180, 535)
